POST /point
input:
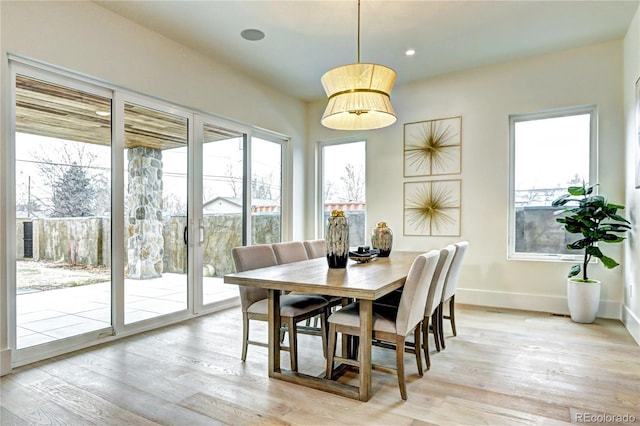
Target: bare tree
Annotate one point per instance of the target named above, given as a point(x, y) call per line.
point(71, 167)
point(234, 182)
point(353, 183)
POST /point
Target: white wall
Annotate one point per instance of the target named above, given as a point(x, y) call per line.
point(484, 98)
point(83, 37)
point(631, 310)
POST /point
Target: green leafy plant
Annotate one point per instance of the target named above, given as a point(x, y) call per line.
point(596, 219)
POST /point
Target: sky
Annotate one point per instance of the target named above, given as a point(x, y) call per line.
point(216, 157)
point(550, 152)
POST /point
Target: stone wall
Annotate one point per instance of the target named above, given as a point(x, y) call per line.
point(88, 240)
point(20, 237)
point(357, 234)
point(76, 241)
point(533, 234)
point(222, 233)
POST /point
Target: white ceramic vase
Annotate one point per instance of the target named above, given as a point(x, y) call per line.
point(584, 300)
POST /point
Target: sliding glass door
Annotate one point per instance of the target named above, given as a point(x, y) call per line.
point(62, 166)
point(156, 215)
point(126, 209)
point(223, 208)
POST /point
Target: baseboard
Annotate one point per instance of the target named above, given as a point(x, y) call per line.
point(531, 302)
point(632, 323)
point(5, 362)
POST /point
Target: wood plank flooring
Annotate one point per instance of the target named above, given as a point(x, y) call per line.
point(504, 368)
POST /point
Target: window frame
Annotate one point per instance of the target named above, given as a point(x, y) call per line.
point(592, 111)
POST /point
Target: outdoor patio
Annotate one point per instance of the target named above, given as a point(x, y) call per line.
point(44, 316)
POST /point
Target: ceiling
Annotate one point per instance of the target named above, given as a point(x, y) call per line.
point(305, 38)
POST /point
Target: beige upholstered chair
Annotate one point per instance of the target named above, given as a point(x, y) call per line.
point(288, 252)
point(295, 251)
point(390, 324)
point(434, 297)
point(254, 301)
point(315, 248)
point(450, 286)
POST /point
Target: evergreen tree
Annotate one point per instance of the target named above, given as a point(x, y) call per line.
point(73, 194)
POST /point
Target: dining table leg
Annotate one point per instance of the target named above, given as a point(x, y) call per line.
point(366, 330)
point(274, 331)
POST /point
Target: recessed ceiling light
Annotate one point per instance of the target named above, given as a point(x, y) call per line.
point(410, 52)
point(252, 35)
point(103, 113)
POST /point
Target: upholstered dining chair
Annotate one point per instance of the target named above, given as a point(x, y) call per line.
point(290, 251)
point(434, 297)
point(296, 251)
point(389, 324)
point(254, 301)
point(449, 292)
point(315, 248)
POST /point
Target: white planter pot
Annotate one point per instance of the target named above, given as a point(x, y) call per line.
point(584, 300)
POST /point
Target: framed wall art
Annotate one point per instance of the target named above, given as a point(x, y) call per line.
point(432, 208)
point(433, 147)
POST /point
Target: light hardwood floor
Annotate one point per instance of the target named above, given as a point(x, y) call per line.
point(503, 368)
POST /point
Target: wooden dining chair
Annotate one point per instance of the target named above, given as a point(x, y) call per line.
point(315, 248)
point(389, 324)
point(449, 292)
point(434, 297)
point(254, 301)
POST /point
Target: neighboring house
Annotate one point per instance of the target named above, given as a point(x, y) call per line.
point(221, 205)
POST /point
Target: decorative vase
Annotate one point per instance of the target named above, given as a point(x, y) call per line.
point(382, 239)
point(337, 239)
point(583, 300)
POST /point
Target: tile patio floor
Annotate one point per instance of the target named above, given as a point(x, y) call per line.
point(45, 316)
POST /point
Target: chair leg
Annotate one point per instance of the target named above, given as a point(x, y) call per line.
point(245, 335)
point(400, 366)
point(425, 341)
point(452, 314)
point(441, 325)
point(323, 332)
point(293, 343)
point(416, 347)
point(436, 331)
point(331, 351)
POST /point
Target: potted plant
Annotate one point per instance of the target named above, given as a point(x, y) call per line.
point(598, 221)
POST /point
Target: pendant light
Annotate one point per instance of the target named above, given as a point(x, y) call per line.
point(359, 95)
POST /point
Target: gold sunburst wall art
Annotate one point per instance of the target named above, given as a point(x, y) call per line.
point(432, 208)
point(433, 147)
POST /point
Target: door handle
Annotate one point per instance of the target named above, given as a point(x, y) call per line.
point(185, 236)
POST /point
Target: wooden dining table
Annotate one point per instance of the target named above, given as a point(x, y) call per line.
point(364, 282)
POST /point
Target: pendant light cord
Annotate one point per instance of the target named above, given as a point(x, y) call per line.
point(358, 31)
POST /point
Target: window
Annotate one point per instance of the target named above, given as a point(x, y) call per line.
point(549, 151)
point(266, 190)
point(342, 186)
